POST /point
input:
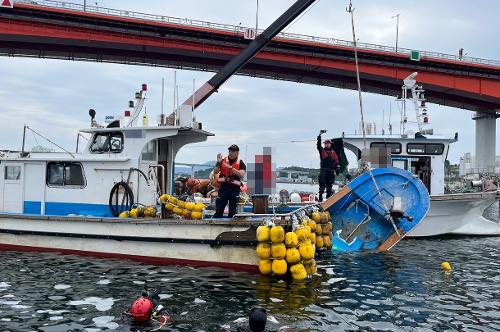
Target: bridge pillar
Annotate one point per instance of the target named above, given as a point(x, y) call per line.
point(485, 142)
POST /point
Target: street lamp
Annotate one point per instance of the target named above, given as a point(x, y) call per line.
point(397, 30)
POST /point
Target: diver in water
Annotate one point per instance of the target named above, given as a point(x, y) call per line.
point(257, 320)
point(146, 312)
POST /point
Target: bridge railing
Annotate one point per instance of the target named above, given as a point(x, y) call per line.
point(238, 29)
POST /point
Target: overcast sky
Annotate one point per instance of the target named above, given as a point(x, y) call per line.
point(54, 96)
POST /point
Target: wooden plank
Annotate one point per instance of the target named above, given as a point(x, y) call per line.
point(335, 198)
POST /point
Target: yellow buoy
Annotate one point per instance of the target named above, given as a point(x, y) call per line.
point(265, 266)
point(319, 242)
point(277, 234)
point(319, 229)
point(172, 200)
point(302, 233)
point(446, 266)
point(291, 239)
point(306, 251)
point(264, 250)
point(312, 237)
point(164, 198)
point(196, 215)
point(279, 267)
point(327, 228)
point(134, 213)
point(186, 213)
point(263, 234)
point(312, 224)
point(169, 206)
point(315, 216)
point(278, 250)
point(124, 214)
point(327, 241)
point(298, 272)
point(199, 206)
point(189, 206)
point(181, 204)
point(310, 266)
point(292, 255)
point(177, 210)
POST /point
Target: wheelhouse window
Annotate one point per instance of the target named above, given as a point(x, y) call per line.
point(413, 148)
point(427, 148)
point(62, 174)
point(395, 147)
point(12, 173)
point(435, 149)
point(107, 142)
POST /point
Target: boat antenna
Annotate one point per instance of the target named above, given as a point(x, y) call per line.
point(390, 112)
point(162, 116)
point(350, 10)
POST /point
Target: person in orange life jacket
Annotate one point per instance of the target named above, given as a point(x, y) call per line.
point(329, 166)
point(231, 171)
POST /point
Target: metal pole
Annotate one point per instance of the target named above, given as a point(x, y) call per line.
point(397, 30)
point(84, 5)
point(24, 139)
point(257, 19)
point(350, 10)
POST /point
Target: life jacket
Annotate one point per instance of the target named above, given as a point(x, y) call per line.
point(225, 176)
point(329, 153)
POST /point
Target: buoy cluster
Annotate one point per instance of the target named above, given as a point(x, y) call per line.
point(188, 210)
point(281, 252)
point(139, 212)
point(323, 229)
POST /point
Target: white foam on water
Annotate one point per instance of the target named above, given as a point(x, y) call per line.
point(8, 295)
point(198, 301)
point(275, 299)
point(105, 321)
point(137, 282)
point(184, 313)
point(56, 317)
point(104, 282)
point(218, 285)
point(165, 296)
point(62, 286)
point(240, 320)
point(166, 271)
point(52, 312)
point(272, 319)
point(329, 271)
point(11, 303)
point(20, 306)
point(335, 280)
point(5, 319)
point(165, 279)
point(100, 304)
point(4, 284)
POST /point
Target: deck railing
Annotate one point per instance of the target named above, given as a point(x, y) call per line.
point(238, 29)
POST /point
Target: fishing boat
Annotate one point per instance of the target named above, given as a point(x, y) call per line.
point(424, 154)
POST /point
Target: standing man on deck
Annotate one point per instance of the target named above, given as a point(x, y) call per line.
point(231, 170)
point(329, 165)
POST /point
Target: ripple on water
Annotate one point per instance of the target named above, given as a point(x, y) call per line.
point(403, 290)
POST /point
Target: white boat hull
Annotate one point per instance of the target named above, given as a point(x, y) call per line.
point(159, 242)
point(458, 214)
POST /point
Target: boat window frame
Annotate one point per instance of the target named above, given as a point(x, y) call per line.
point(64, 185)
point(385, 146)
point(425, 152)
point(6, 173)
point(107, 143)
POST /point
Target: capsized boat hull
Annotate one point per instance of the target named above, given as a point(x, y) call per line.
point(361, 211)
point(227, 244)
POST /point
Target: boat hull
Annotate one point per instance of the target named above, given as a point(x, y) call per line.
point(223, 244)
point(460, 214)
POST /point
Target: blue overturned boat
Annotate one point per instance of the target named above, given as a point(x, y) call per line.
point(377, 209)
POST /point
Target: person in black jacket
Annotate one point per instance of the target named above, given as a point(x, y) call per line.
point(329, 166)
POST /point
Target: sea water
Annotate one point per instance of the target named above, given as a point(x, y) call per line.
point(401, 290)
